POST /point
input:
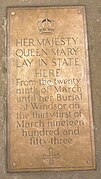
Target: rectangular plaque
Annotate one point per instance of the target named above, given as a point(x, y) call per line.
point(50, 125)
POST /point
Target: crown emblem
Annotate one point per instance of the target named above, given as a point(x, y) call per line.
point(46, 26)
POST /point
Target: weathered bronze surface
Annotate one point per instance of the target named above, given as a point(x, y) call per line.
point(50, 125)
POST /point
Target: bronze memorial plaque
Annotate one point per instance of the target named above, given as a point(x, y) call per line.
point(50, 125)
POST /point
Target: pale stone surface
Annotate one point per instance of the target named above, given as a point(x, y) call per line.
point(94, 34)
